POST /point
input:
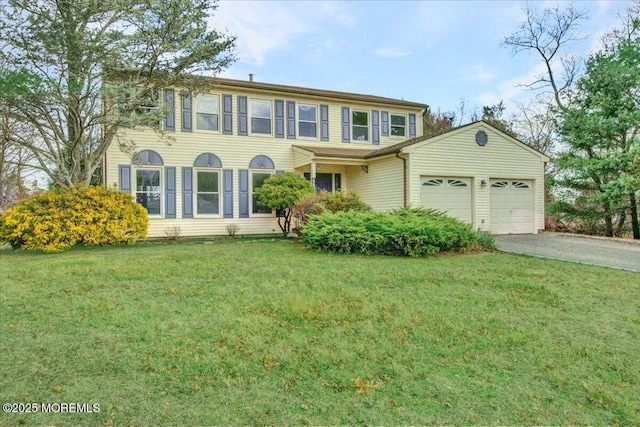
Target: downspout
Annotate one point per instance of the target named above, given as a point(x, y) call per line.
point(404, 179)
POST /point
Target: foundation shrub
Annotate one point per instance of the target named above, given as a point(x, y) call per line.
point(405, 232)
point(58, 219)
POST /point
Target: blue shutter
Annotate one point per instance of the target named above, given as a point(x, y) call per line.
point(227, 115)
point(291, 120)
point(279, 118)
point(170, 102)
point(345, 124)
point(170, 193)
point(243, 184)
point(242, 116)
point(186, 111)
point(337, 179)
point(324, 122)
point(124, 178)
point(385, 123)
point(228, 193)
point(412, 125)
point(280, 213)
point(375, 120)
point(187, 192)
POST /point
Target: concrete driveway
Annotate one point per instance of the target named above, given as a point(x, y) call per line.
point(586, 250)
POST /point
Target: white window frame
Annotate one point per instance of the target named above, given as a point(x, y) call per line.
point(353, 126)
point(197, 112)
point(391, 125)
point(315, 122)
point(251, 117)
point(251, 191)
point(197, 193)
point(161, 185)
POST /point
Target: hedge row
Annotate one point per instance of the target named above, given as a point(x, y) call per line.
point(407, 232)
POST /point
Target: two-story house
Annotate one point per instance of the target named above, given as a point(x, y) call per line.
point(229, 140)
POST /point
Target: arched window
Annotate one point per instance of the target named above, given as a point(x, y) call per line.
point(147, 157)
point(207, 185)
point(266, 169)
point(261, 162)
point(149, 180)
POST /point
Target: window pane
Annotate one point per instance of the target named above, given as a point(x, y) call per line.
point(397, 131)
point(207, 121)
point(398, 120)
point(148, 191)
point(307, 129)
point(361, 118)
point(147, 179)
point(208, 204)
point(258, 179)
point(207, 182)
point(260, 108)
point(260, 125)
point(307, 113)
point(360, 133)
point(259, 208)
point(208, 104)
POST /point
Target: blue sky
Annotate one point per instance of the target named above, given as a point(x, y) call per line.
point(433, 52)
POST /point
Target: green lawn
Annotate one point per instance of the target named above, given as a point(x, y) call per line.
point(265, 332)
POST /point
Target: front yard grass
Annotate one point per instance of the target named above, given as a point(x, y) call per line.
point(264, 332)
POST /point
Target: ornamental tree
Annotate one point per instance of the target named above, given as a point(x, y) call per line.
point(281, 192)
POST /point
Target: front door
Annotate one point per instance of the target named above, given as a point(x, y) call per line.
point(324, 181)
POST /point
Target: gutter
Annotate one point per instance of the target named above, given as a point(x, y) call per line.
point(404, 179)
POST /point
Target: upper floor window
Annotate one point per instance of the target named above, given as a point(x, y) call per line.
point(149, 101)
point(308, 121)
point(398, 125)
point(360, 125)
point(261, 116)
point(207, 112)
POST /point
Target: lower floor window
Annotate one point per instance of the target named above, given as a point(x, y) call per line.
point(148, 190)
point(257, 179)
point(208, 197)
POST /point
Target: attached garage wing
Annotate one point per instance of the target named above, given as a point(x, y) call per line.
point(511, 206)
point(451, 195)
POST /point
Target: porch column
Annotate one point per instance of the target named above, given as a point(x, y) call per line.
point(313, 174)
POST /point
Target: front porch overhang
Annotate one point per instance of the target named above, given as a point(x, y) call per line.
point(307, 155)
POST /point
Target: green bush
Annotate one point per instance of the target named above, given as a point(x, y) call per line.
point(407, 232)
point(338, 201)
point(58, 219)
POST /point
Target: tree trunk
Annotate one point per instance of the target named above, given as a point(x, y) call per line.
point(634, 216)
point(608, 220)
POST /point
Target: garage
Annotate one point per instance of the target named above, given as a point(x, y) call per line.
point(451, 195)
point(511, 206)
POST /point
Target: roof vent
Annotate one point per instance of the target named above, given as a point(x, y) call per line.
point(251, 77)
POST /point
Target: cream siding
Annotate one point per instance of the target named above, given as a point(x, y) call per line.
point(381, 187)
point(456, 154)
point(235, 152)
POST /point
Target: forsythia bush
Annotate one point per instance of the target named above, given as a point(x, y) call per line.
point(55, 220)
point(407, 232)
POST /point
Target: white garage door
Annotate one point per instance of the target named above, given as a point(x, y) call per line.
point(511, 210)
point(450, 195)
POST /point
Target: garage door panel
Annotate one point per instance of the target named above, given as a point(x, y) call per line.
point(511, 206)
point(449, 195)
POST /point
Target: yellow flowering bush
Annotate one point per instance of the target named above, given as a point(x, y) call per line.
point(55, 220)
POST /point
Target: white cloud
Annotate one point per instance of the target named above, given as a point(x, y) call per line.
point(478, 74)
point(391, 52)
point(263, 27)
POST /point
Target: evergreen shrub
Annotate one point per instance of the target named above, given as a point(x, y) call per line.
point(405, 232)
